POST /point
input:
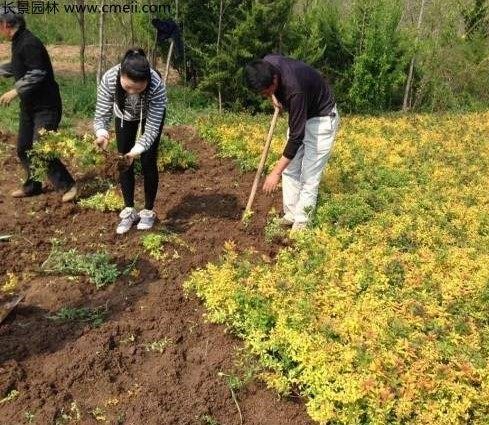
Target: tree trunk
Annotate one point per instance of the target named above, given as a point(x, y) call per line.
point(152, 49)
point(221, 8)
point(81, 22)
point(409, 82)
point(131, 23)
point(184, 59)
point(101, 35)
point(168, 60)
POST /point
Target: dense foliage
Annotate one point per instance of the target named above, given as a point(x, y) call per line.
point(378, 314)
point(364, 47)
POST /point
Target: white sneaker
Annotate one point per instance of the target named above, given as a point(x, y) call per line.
point(146, 219)
point(129, 216)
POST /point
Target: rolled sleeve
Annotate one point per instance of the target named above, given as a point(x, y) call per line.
point(6, 70)
point(30, 81)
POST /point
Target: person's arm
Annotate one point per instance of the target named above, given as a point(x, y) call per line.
point(297, 130)
point(154, 117)
point(36, 73)
point(297, 125)
point(103, 110)
point(6, 70)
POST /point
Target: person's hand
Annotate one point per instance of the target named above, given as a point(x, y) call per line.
point(131, 156)
point(8, 97)
point(102, 142)
point(271, 182)
point(276, 103)
point(124, 162)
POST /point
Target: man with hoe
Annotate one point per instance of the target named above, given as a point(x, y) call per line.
point(40, 101)
point(313, 123)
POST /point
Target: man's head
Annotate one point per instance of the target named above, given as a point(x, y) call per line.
point(10, 21)
point(262, 77)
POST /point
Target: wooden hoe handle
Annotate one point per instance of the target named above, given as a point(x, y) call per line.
point(262, 161)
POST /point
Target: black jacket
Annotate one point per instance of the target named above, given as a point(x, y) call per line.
point(304, 93)
point(33, 73)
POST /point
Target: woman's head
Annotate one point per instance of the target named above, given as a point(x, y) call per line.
point(135, 71)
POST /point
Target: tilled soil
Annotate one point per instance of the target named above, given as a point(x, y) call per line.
point(73, 372)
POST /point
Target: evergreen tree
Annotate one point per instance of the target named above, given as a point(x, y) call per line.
point(378, 72)
point(260, 29)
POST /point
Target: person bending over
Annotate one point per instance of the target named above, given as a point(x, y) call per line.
point(40, 101)
point(136, 95)
point(313, 123)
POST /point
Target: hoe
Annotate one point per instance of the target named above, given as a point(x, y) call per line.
point(259, 171)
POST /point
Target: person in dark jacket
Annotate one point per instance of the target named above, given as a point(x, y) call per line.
point(40, 101)
point(313, 123)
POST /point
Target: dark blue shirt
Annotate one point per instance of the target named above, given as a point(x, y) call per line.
point(304, 93)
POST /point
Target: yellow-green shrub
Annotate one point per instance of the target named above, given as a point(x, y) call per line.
point(66, 146)
point(379, 314)
point(242, 137)
point(110, 200)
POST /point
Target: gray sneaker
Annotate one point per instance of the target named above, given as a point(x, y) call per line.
point(298, 227)
point(129, 216)
point(70, 194)
point(146, 219)
point(285, 222)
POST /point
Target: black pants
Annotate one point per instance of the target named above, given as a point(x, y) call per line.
point(30, 123)
point(126, 138)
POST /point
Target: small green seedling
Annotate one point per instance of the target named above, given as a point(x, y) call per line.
point(247, 216)
point(97, 266)
point(12, 395)
point(94, 316)
point(158, 346)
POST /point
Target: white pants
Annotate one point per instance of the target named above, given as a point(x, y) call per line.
point(300, 180)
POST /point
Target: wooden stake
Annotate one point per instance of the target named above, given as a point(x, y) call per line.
point(168, 58)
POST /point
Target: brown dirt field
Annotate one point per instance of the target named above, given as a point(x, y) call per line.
point(107, 369)
point(66, 59)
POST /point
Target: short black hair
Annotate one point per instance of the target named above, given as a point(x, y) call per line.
point(11, 16)
point(135, 65)
point(259, 75)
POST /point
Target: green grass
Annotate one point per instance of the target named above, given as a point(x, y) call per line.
point(97, 266)
point(9, 115)
point(78, 102)
point(184, 104)
point(94, 316)
point(173, 156)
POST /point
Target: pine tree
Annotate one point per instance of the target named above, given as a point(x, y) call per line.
point(260, 29)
